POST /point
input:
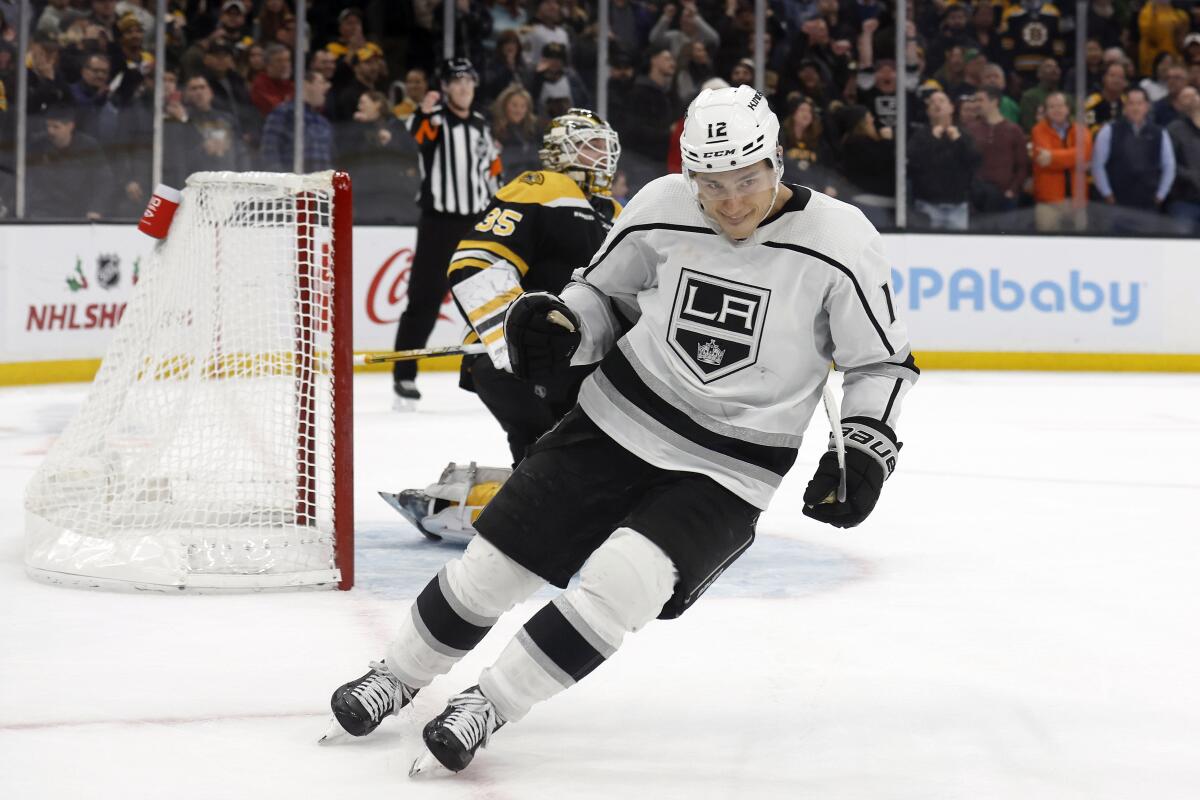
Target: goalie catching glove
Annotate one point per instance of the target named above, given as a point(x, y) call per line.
point(871, 450)
point(542, 334)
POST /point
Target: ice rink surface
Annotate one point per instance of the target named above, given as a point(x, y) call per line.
point(1020, 618)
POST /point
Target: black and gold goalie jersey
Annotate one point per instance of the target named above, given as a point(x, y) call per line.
point(536, 231)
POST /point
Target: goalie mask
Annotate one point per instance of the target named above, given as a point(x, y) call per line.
point(583, 147)
point(726, 133)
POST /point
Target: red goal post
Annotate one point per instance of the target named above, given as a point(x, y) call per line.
point(214, 450)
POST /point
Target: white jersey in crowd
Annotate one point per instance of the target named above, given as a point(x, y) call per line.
point(731, 342)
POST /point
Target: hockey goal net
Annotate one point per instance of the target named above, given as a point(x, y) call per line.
point(214, 449)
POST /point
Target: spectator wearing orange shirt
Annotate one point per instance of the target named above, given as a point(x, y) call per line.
point(1059, 190)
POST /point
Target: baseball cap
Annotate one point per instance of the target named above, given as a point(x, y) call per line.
point(238, 4)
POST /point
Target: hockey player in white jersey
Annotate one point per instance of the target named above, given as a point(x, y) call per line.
point(714, 307)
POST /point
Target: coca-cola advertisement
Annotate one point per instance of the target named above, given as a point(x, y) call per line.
point(382, 260)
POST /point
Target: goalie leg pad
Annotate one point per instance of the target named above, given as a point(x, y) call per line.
point(468, 489)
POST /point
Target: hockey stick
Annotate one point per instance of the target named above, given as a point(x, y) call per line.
point(361, 359)
point(839, 443)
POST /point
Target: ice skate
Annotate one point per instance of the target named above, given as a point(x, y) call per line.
point(415, 506)
point(406, 395)
point(453, 737)
point(360, 705)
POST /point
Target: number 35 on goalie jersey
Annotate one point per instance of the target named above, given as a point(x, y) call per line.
point(537, 230)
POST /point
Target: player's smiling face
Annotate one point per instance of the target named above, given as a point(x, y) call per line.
point(739, 199)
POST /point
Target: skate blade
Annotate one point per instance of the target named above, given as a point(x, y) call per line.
point(427, 764)
point(404, 404)
point(334, 734)
point(393, 500)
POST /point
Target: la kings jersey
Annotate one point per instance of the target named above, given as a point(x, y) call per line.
point(725, 363)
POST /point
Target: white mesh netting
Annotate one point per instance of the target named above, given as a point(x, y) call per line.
point(203, 456)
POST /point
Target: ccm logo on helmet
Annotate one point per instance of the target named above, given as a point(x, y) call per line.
point(719, 153)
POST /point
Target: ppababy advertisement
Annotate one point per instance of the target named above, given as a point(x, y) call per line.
point(1047, 294)
point(66, 288)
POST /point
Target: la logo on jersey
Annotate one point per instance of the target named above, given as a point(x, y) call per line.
point(716, 324)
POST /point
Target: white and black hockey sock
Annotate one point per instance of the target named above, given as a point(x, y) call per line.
point(456, 610)
point(622, 587)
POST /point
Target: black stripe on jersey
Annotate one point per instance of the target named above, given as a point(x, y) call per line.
point(625, 380)
point(440, 200)
point(887, 295)
point(887, 411)
point(908, 363)
point(562, 644)
point(666, 226)
point(443, 622)
point(797, 202)
point(470, 200)
point(457, 156)
point(857, 288)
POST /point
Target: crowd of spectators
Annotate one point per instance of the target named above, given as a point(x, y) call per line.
point(992, 139)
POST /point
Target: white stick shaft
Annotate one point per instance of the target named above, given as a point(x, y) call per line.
point(835, 424)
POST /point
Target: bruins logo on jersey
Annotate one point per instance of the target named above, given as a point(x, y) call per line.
point(534, 178)
point(716, 324)
point(1035, 34)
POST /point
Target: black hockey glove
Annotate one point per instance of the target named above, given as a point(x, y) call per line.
point(871, 450)
point(542, 335)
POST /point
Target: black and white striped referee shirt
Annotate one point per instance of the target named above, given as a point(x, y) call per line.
point(460, 166)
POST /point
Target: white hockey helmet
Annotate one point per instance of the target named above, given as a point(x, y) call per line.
point(727, 129)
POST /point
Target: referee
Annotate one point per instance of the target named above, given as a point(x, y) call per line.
point(459, 174)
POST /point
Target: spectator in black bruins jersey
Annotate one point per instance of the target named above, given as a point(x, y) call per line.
point(1030, 31)
point(1106, 104)
point(537, 230)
